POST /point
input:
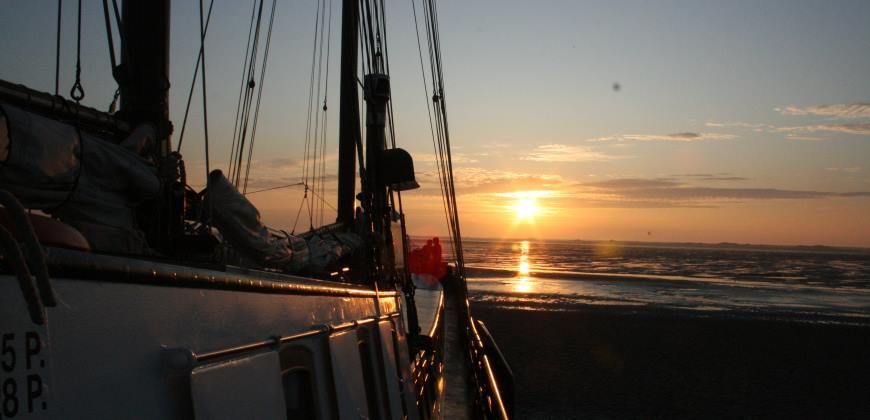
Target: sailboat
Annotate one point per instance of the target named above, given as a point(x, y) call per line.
point(124, 292)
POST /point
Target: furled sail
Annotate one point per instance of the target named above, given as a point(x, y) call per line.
point(89, 183)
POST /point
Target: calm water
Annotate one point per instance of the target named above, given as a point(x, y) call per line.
point(610, 330)
point(536, 275)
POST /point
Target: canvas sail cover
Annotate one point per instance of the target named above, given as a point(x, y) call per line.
point(85, 181)
point(239, 222)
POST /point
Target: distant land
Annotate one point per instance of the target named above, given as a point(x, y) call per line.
point(719, 245)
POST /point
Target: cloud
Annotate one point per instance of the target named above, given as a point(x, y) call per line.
point(855, 110)
point(456, 158)
point(278, 163)
point(663, 192)
point(850, 170)
point(565, 153)
point(738, 124)
point(267, 173)
point(683, 137)
point(711, 177)
point(603, 138)
point(792, 136)
point(859, 128)
point(488, 181)
point(633, 183)
point(714, 193)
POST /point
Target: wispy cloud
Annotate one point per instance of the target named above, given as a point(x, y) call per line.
point(663, 190)
point(268, 173)
point(565, 153)
point(726, 177)
point(278, 163)
point(850, 169)
point(685, 136)
point(858, 129)
point(792, 136)
point(736, 124)
point(456, 158)
point(486, 181)
point(622, 184)
point(603, 138)
point(683, 193)
point(854, 110)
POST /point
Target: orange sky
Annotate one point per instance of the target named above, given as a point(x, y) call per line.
point(734, 121)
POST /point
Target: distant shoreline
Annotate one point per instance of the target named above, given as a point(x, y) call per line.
point(684, 245)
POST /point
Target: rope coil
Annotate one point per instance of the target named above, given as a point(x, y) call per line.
point(77, 93)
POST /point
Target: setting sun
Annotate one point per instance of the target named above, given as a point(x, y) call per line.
point(526, 206)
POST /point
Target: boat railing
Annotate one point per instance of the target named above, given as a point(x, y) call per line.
point(502, 371)
point(493, 376)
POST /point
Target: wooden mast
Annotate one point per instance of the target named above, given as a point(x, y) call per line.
point(143, 78)
point(348, 128)
point(144, 73)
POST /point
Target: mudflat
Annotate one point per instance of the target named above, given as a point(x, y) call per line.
point(602, 361)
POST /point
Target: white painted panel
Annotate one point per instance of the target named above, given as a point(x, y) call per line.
point(249, 388)
point(348, 377)
point(391, 374)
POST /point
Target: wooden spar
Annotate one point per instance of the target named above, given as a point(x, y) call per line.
point(144, 73)
point(59, 108)
point(348, 128)
point(377, 94)
point(143, 78)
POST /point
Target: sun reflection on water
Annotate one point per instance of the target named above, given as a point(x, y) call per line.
point(524, 267)
point(523, 283)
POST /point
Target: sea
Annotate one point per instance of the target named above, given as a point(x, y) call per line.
point(606, 329)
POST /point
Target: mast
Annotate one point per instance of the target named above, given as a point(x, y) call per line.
point(348, 128)
point(144, 73)
point(143, 78)
point(377, 94)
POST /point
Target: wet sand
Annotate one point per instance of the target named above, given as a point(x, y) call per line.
point(629, 362)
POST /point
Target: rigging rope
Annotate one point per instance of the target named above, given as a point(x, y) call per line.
point(244, 129)
point(317, 119)
point(193, 83)
point(429, 113)
point(441, 132)
point(236, 119)
point(111, 40)
point(325, 116)
point(57, 49)
point(259, 95)
point(313, 206)
point(305, 161)
point(205, 107)
point(297, 184)
point(245, 112)
point(77, 93)
point(109, 36)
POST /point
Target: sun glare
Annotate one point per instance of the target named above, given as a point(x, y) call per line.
point(526, 208)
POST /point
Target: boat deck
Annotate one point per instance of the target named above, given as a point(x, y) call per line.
point(457, 400)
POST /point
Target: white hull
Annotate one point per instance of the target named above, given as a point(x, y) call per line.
point(187, 349)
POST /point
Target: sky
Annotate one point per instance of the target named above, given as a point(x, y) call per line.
point(739, 121)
